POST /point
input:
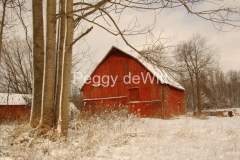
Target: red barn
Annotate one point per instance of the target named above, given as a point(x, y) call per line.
point(121, 78)
point(14, 107)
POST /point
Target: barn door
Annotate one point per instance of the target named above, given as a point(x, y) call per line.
point(133, 94)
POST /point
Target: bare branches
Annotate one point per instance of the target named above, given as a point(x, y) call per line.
point(196, 54)
point(106, 14)
point(19, 11)
point(81, 36)
point(224, 14)
point(4, 3)
point(94, 9)
point(159, 55)
point(193, 59)
point(15, 72)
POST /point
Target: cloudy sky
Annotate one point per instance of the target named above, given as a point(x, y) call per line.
point(171, 23)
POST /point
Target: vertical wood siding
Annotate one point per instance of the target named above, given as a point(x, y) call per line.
point(146, 99)
point(14, 112)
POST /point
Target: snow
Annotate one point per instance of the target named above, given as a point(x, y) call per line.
point(117, 137)
point(159, 73)
point(73, 111)
point(13, 99)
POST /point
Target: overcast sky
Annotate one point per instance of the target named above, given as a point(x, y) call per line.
point(172, 23)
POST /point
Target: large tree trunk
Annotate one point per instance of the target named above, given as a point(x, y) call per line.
point(38, 61)
point(60, 58)
point(66, 76)
point(48, 98)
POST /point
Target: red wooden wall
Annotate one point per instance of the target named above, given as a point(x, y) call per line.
point(14, 112)
point(144, 98)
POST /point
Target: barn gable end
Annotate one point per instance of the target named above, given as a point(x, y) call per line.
point(124, 79)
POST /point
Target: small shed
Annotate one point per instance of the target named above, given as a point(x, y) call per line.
point(129, 80)
point(14, 106)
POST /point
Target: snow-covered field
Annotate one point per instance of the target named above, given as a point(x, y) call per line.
point(112, 136)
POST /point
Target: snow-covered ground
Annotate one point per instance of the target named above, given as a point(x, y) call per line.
point(117, 137)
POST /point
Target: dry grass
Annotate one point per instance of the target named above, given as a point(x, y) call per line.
point(85, 136)
point(117, 135)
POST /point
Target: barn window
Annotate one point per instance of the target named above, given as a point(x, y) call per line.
point(133, 94)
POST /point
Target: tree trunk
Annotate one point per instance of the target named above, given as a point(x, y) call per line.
point(193, 93)
point(48, 98)
point(38, 62)
point(66, 70)
point(60, 57)
point(199, 98)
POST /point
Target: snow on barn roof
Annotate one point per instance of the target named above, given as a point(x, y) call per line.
point(160, 74)
point(13, 99)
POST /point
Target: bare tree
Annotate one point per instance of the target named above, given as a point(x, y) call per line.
point(2, 23)
point(15, 72)
point(11, 16)
point(220, 98)
point(6, 21)
point(221, 89)
point(234, 88)
point(194, 57)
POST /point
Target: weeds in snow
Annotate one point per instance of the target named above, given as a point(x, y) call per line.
point(117, 135)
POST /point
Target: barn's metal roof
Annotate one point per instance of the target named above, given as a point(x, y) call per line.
point(13, 99)
point(159, 73)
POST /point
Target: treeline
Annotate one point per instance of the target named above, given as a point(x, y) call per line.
point(207, 86)
point(218, 90)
